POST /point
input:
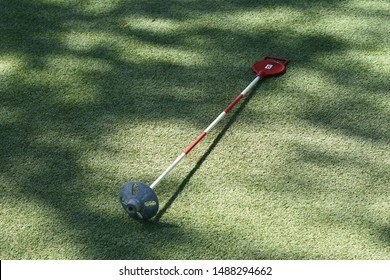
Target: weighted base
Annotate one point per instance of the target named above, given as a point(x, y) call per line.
point(139, 200)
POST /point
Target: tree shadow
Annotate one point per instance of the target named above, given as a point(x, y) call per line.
point(45, 135)
point(355, 116)
point(343, 189)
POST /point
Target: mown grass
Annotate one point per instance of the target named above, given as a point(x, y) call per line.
point(96, 93)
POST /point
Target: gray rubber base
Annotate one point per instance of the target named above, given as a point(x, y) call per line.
point(138, 200)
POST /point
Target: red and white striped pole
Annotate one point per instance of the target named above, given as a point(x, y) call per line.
point(262, 68)
point(203, 134)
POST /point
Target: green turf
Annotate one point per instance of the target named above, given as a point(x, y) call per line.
point(96, 93)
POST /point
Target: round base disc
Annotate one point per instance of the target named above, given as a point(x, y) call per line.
point(138, 200)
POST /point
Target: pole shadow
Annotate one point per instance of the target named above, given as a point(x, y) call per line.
point(205, 155)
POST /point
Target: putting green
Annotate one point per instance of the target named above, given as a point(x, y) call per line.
point(97, 93)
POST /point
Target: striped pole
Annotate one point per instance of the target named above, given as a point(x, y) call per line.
point(203, 134)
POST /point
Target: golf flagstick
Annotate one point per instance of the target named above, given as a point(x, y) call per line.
point(203, 134)
point(138, 199)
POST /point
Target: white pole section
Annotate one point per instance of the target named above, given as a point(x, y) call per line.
point(165, 173)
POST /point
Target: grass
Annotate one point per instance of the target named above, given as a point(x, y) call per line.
point(96, 93)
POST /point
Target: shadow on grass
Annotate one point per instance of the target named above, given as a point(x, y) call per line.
point(203, 158)
point(356, 117)
point(46, 135)
point(340, 188)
